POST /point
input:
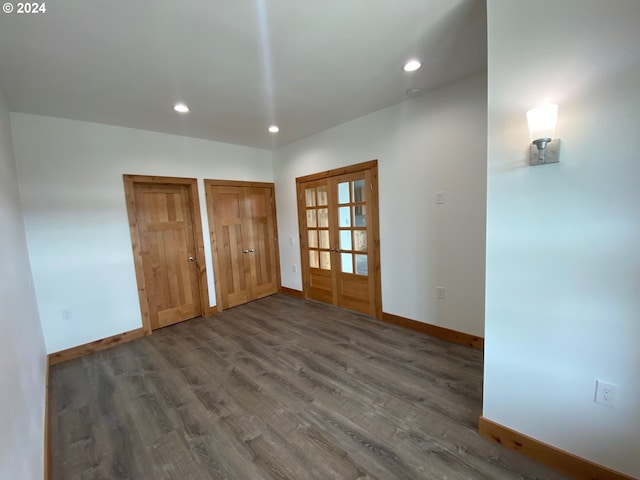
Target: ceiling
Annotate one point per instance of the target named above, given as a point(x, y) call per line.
point(240, 65)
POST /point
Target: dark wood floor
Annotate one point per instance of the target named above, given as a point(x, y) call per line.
point(277, 389)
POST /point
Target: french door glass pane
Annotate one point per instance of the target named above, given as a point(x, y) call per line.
point(324, 239)
point(344, 215)
point(325, 260)
point(346, 259)
point(310, 197)
point(360, 216)
point(313, 239)
point(343, 192)
point(313, 259)
point(360, 240)
point(345, 239)
point(322, 196)
point(311, 219)
point(323, 218)
point(358, 191)
point(362, 268)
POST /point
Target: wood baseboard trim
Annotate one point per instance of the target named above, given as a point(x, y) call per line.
point(96, 346)
point(291, 292)
point(578, 467)
point(435, 331)
point(47, 423)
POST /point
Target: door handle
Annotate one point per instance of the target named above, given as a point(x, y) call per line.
point(251, 250)
point(246, 250)
point(191, 259)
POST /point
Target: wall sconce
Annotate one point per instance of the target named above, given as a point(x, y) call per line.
point(542, 123)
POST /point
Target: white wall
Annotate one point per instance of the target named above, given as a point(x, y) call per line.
point(22, 352)
point(70, 176)
point(563, 240)
point(426, 144)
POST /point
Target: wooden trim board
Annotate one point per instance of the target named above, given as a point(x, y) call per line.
point(578, 467)
point(358, 167)
point(95, 346)
point(238, 183)
point(47, 422)
point(435, 331)
point(291, 292)
point(375, 248)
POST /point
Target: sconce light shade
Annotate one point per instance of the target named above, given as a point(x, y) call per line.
point(542, 121)
point(542, 124)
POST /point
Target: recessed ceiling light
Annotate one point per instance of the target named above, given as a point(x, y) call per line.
point(411, 65)
point(181, 107)
point(274, 129)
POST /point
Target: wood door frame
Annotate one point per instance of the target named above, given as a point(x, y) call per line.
point(371, 165)
point(129, 191)
point(208, 183)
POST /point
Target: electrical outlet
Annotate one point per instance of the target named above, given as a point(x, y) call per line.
point(66, 314)
point(440, 293)
point(440, 198)
point(294, 268)
point(606, 393)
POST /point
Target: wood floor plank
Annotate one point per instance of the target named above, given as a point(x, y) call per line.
point(279, 388)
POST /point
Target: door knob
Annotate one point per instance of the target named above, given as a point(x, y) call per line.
point(251, 250)
point(191, 259)
point(246, 250)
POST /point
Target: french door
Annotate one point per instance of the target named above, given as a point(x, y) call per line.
point(338, 216)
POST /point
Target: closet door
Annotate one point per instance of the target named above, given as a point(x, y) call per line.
point(338, 220)
point(243, 241)
point(229, 241)
point(262, 240)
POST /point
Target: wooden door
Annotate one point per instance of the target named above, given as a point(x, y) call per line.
point(318, 240)
point(164, 234)
point(243, 240)
point(263, 241)
point(233, 277)
point(338, 216)
point(352, 236)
